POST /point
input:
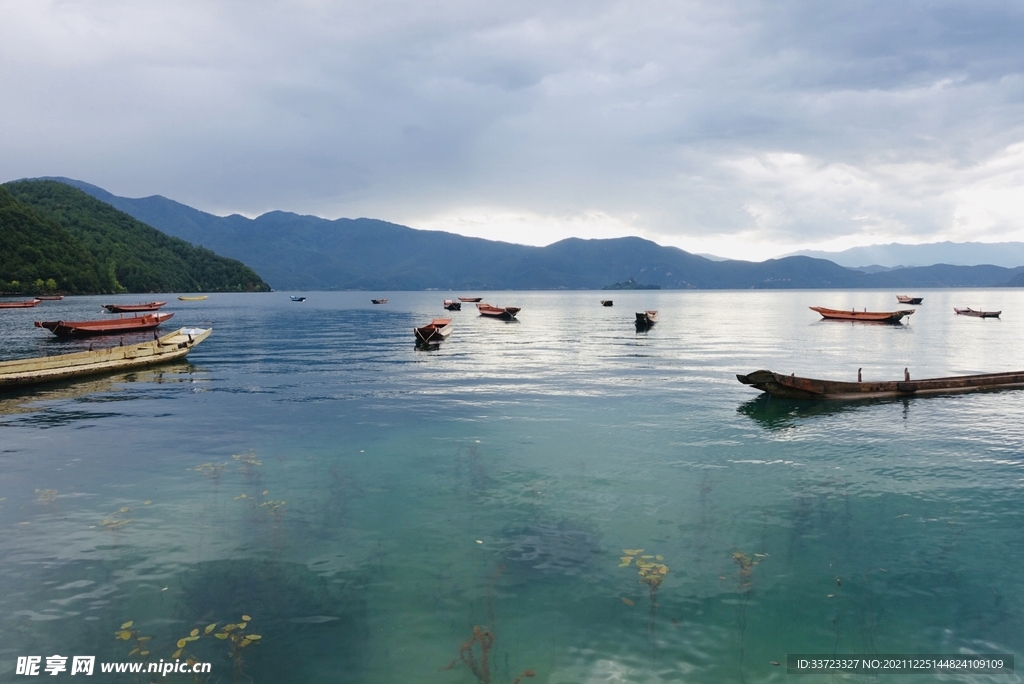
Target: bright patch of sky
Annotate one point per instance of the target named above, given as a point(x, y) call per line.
point(746, 129)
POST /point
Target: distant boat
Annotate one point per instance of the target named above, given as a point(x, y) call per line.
point(452, 305)
point(872, 316)
point(197, 298)
point(25, 372)
point(19, 305)
point(436, 331)
point(131, 308)
point(907, 299)
point(296, 298)
point(54, 298)
point(978, 314)
point(793, 387)
point(104, 327)
point(503, 312)
point(379, 301)
point(471, 299)
point(606, 302)
point(645, 319)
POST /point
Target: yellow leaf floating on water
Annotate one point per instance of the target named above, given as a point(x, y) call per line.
point(210, 627)
point(254, 637)
point(133, 651)
point(661, 558)
point(128, 624)
point(246, 618)
point(632, 552)
point(176, 654)
point(194, 632)
point(221, 635)
point(125, 635)
point(144, 653)
point(627, 601)
point(241, 496)
point(181, 643)
point(241, 625)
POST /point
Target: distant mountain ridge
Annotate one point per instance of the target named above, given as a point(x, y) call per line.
point(898, 255)
point(298, 252)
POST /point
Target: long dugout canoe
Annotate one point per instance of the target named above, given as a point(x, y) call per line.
point(793, 387)
point(26, 372)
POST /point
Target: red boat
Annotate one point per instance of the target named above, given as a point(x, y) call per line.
point(131, 308)
point(105, 327)
point(854, 315)
point(19, 305)
point(471, 299)
point(436, 331)
point(503, 312)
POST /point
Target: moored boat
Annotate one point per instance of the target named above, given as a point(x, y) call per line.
point(793, 387)
point(132, 308)
point(104, 327)
point(977, 314)
point(19, 305)
point(865, 315)
point(606, 302)
point(907, 299)
point(503, 312)
point(645, 319)
point(26, 372)
point(471, 299)
point(297, 298)
point(196, 298)
point(379, 301)
point(436, 331)
point(452, 305)
point(54, 298)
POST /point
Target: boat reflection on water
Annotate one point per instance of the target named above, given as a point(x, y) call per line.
point(774, 413)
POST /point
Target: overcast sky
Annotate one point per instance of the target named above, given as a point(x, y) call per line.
point(745, 129)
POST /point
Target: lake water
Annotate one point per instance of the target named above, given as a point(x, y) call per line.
point(368, 504)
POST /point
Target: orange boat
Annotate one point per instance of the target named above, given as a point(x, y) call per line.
point(19, 305)
point(471, 299)
point(503, 312)
point(865, 315)
point(437, 330)
point(105, 327)
point(132, 308)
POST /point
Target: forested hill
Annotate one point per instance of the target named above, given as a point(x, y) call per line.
point(54, 237)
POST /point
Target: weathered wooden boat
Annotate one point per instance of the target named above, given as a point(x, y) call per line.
point(296, 298)
point(379, 301)
point(471, 299)
point(52, 298)
point(506, 313)
point(436, 331)
point(606, 302)
point(907, 299)
point(104, 327)
point(645, 319)
point(865, 315)
point(133, 308)
point(19, 305)
point(792, 387)
point(196, 298)
point(977, 314)
point(452, 305)
point(26, 372)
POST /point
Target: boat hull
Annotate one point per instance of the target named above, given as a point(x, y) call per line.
point(133, 308)
point(978, 314)
point(868, 316)
point(452, 306)
point(28, 372)
point(19, 305)
point(436, 331)
point(506, 313)
point(607, 302)
point(645, 319)
point(108, 327)
point(905, 299)
point(197, 298)
point(793, 387)
point(471, 299)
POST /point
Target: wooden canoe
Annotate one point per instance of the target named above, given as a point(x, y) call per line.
point(436, 331)
point(197, 298)
point(19, 305)
point(506, 313)
point(54, 298)
point(907, 299)
point(793, 387)
point(607, 302)
point(133, 308)
point(452, 305)
point(296, 298)
point(26, 372)
point(977, 314)
point(471, 299)
point(870, 316)
point(645, 319)
point(104, 327)
point(379, 301)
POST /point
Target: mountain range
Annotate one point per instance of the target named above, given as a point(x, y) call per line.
point(297, 252)
point(897, 255)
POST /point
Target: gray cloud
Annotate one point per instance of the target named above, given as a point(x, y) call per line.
point(695, 123)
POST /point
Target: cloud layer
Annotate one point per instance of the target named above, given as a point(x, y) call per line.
point(742, 128)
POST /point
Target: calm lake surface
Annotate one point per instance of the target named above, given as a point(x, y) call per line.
point(369, 504)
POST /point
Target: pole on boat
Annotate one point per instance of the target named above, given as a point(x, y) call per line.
point(906, 375)
point(858, 374)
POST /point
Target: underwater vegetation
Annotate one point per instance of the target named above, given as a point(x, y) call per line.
point(544, 548)
point(652, 573)
point(475, 653)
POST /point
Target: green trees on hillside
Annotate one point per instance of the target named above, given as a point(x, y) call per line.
point(53, 233)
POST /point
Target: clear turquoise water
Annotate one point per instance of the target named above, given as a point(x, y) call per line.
point(495, 482)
